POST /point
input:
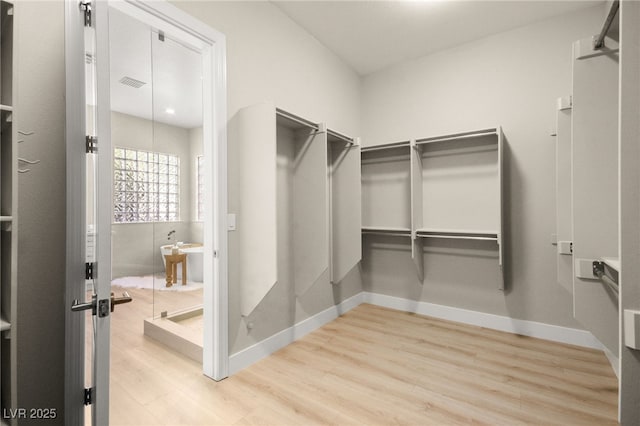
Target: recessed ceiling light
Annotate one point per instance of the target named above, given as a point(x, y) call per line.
point(170, 111)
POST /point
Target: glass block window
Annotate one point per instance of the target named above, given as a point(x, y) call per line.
point(200, 194)
point(146, 186)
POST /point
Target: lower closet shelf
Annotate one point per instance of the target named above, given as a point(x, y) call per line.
point(457, 234)
point(396, 232)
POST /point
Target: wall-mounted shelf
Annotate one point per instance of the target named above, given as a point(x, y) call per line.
point(4, 325)
point(438, 187)
point(457, 235)
point(473, 135)
point(396, 232)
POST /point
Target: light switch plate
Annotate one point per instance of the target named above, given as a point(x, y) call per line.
point(231, 222)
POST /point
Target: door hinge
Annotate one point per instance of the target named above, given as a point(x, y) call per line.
point(85, 6)
point(88, 396)
point(91, 144)
point(88, 270)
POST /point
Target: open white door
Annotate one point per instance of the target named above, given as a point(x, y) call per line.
point(89, 188)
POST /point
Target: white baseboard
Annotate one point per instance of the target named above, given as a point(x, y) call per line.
point(554, 333)
point(266, 347)
point(539, 330)
point(613, 360)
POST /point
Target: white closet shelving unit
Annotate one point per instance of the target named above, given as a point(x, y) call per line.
point(345, 210)
point(304, 179)
point(444, 187)
point(386, 189)
point(8, 204)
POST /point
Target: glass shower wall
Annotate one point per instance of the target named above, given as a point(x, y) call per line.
point(177, 145)
point(133, 248)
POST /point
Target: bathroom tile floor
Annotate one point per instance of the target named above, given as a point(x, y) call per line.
point(371, 366)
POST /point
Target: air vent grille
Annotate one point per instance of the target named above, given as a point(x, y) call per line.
point(132, 82)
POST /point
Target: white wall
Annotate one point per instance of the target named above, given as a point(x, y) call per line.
point(40, 107)
point(510, 79)
point(270, 58)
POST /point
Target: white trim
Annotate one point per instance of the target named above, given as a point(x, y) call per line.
point(74, 380)
point(539, 330)
point(266, 347)
point(554, 333)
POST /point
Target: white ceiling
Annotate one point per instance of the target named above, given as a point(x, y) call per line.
point(372, 35)
point(172, 74)
point(366, 35)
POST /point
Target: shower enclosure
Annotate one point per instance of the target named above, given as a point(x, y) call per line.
point(158, 169)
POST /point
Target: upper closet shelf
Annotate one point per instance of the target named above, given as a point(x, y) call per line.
point(6, 107)
point(457, 234)
point(458, 136)
point(295, 122)
point(392, 145)
point(333, 136)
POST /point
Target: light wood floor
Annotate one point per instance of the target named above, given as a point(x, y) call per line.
point(372, 366)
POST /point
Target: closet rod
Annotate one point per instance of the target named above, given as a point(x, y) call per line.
point(598, 271)
point(598, 42)
point(296, 119)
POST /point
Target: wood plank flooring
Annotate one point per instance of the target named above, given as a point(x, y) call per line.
point(372, 366)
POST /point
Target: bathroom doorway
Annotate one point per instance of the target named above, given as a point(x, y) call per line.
point(157, 232)
point(150, 191)
point(155, 198)
point(169, 194)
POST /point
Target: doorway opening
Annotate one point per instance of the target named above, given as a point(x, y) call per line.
point(154, 192)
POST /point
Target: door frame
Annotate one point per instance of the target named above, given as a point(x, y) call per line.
point(215, 299)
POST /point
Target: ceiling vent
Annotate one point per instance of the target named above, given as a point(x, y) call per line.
point(132, 82)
